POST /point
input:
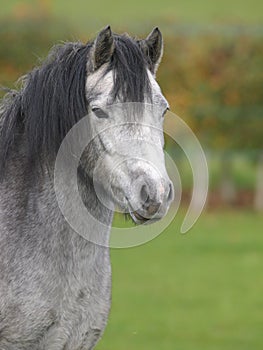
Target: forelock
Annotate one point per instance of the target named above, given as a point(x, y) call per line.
point(130, 77)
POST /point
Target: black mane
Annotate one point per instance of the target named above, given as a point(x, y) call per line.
point(53, 98)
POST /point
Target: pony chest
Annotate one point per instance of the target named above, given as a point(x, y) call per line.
point(82, 309)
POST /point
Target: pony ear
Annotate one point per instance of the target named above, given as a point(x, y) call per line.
point(103, 48)
point(152, 48)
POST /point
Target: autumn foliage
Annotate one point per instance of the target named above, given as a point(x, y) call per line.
point(212, 78)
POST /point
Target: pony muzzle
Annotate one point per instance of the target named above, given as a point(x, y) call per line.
point(151, 199)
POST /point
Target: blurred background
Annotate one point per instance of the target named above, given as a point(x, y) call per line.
point(202, 290)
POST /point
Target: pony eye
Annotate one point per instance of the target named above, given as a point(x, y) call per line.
point(99, 113)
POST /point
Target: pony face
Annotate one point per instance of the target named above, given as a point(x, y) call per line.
point(126, 113)
point(112, 79)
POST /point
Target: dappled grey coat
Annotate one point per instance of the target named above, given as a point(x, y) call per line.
point(55, 286)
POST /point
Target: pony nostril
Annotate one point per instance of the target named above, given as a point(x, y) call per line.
point(150, 205)
point(170, 193)
point(144, 194)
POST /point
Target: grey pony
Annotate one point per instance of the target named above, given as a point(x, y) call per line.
point(55, 286)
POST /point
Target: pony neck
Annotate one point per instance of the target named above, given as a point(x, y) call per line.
point(28, 195)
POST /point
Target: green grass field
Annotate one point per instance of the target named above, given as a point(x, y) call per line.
point(199, 291)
